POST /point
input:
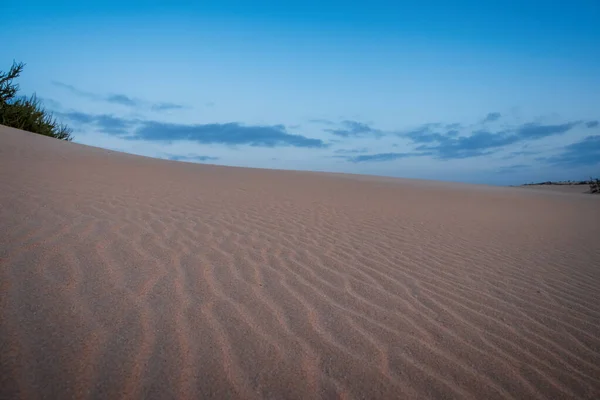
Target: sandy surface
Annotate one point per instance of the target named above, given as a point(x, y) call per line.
point(130, 277)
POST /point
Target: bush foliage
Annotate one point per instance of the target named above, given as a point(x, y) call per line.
point(594, 185)
point(27, 113)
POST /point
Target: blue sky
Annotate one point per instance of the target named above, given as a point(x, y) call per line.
point(496, 92)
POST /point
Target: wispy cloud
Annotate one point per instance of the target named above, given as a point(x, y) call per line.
point(512, 168)
point(538, 131)
point(321, 121)
point(120, 99)
point(166, 106)
point(190, 157)
point(448, 144)
point(519, 153)
point(478, 144)
point(75, 91)
point(583, 153)
point(51, 104)
point(105, 122)
point(123, 100)
point(592, 124)
point(232, 133)
point(355, 129)
point(380, 157)
point(351, 151)
point(455, 125)
point(424, 134)
point(491, 117)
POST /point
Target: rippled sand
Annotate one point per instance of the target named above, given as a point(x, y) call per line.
point(130, 277)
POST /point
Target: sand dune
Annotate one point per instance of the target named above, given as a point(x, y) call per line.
point(130, 277)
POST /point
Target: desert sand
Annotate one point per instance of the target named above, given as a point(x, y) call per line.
point(130, 277)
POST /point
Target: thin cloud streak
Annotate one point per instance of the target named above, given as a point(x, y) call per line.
point(190, 157)
point(382, 157)
point(491, 117)
point(120, 99)
point(355, 129)
point(231, 133)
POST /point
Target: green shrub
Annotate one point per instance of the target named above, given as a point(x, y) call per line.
point(594, 185)
point(27, 113)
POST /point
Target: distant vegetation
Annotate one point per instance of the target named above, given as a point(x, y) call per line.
point(26, 113)
point(594, 184)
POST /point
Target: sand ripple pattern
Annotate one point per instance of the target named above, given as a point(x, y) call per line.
point(126, 277)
